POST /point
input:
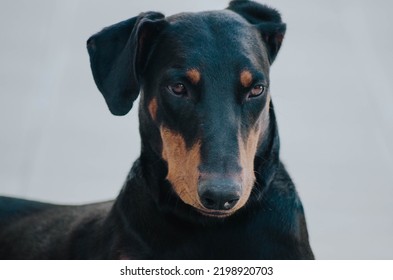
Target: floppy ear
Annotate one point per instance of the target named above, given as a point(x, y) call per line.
point(267, 20)
point(118, 55)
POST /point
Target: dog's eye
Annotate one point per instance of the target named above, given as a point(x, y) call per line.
point(257, 90)
point(178, 89)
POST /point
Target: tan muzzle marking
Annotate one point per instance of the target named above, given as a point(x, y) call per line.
point(247, 151)
point(183, 172)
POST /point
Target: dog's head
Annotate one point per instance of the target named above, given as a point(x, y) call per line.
point(204, 83)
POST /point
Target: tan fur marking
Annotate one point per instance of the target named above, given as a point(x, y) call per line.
point(247, 151)
point(153, 108)
point(246, 78)
point(183, 165)
point(194, 76)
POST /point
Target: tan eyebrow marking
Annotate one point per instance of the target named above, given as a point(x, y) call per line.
point(246, 78)
point(194, 76)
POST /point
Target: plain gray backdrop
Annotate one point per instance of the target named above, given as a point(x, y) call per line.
point(331, 85)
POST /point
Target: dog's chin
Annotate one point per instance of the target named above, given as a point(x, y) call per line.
point(212, 213)
point(215, 213)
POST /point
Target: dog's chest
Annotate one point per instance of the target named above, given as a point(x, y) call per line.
point(238, 243)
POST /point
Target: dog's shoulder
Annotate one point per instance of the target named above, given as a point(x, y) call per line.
point(43, 230)
point(12, 209)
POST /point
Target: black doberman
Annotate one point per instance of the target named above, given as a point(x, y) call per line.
point(208, 183)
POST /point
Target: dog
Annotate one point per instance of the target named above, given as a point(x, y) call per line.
point(209, 183)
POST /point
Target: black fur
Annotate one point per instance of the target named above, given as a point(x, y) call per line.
point(148, 220)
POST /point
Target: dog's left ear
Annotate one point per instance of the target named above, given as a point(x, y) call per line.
point(267, 20)
point(118, 55)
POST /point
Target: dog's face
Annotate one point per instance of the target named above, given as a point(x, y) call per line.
point(205, 91)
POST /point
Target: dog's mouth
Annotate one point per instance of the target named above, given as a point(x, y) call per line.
point(215, 213)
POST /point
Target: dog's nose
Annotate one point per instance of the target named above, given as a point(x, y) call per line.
point(219, 194)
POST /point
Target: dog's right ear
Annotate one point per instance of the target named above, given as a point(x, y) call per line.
point(266, 20)
point(118, 55)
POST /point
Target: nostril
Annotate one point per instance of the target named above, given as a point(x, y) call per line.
point(208, 203)
point(229, 204)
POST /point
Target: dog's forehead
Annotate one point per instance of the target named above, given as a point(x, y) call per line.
point(219, 16)
point(211, 31)
point(211, 26)
point(220, 33)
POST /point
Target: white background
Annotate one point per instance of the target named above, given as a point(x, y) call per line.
point(331, 86)
point(103, 270)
